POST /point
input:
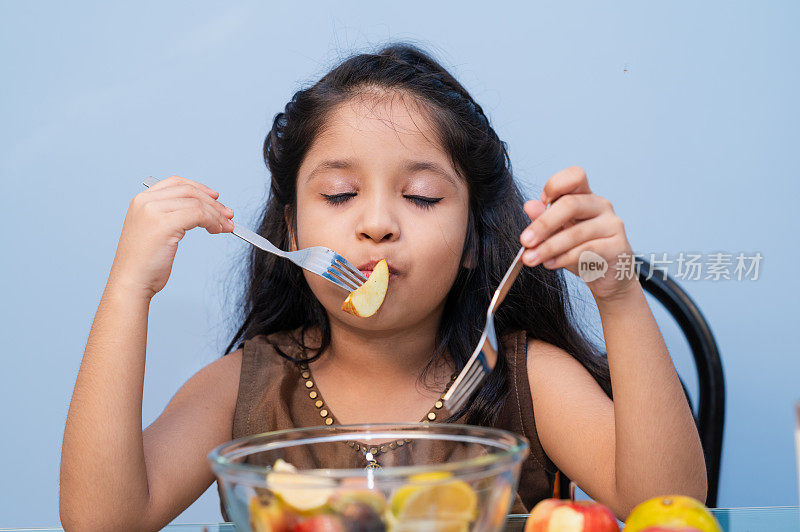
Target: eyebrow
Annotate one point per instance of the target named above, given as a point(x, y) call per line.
point(334, 164)
point(409, 167)
point(421, 166)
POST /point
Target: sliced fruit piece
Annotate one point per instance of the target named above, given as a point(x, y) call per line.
point(401, 495)
point(361, 517)
point(270, 517)
point(302, 493)
point(428, 499)
point(367, 299)
point(321, 523)
point(284, 466)
point(344, 497)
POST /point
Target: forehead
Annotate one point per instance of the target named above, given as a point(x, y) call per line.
point(381, 127)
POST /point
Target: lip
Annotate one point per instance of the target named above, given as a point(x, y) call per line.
point(367, 267)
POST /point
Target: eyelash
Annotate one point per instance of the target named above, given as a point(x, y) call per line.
point(420, 201)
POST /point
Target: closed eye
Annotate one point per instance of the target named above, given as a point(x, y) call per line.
point(421, 201)
point(338, 199)
point(424, 202)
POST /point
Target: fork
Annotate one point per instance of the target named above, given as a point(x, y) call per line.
point(484, 358)
point(317, 259)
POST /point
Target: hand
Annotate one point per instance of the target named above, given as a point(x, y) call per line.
point(576, 221)
point(155, 222)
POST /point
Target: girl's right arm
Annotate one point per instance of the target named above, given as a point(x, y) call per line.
point(114, 476)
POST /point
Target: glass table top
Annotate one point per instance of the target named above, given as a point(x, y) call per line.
point(770, 519)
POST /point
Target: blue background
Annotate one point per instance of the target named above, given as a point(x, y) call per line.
point(684, 114)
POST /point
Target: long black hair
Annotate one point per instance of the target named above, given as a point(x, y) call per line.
point(277, 297)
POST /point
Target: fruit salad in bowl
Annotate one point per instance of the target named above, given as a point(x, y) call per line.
point(371, 478)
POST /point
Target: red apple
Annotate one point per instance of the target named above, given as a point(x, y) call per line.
point(554, 515)
point(320, 523)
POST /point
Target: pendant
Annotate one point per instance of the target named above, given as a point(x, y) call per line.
point(371, 462)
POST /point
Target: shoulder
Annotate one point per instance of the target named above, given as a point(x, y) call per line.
point(539, 352)
point(209, 396)
point(217, 381)
point(552, 369)
point(534, 356)
point(226, 367)
point(291, 343)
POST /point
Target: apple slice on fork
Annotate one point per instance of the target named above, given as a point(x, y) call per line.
point(367, 298)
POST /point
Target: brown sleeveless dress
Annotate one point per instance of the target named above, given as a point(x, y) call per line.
point(276, 393)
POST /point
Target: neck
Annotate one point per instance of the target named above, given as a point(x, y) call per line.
point(385, 357)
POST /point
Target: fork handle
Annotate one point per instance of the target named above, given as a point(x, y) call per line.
point(257, 240)
point(242, 232)
point(508, 280)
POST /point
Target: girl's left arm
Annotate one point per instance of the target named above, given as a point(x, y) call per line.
point(645, 442)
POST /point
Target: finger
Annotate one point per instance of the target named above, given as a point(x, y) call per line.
point(205, 217)
point(178, 180)
point(570, 180)
point(534, 208)
point(573, 207)
point(569, 238)
point(571, 257)
point(192, 212)
point(189, 191)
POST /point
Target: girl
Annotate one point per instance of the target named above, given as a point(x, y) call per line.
point(387, 156)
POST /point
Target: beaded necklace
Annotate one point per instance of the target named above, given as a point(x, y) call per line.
point(370, 453)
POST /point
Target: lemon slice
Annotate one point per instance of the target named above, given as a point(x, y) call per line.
point(429, 503)
point(302, 493)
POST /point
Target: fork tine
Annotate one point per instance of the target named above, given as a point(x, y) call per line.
point(342, 280)
point(456, 405)
point(468, 386)
point(460, 385)
point(322, 266)
point(335, 280)
point(462, 398)
point(349, 267)
point(463, 374)
point(347, 274)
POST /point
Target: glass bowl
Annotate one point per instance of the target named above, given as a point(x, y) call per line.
point(371, 478)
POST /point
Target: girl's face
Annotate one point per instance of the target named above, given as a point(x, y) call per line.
point(376, 184)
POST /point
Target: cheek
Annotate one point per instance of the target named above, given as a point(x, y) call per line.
point(314, 228)
point(330, 295)
point(443, 243)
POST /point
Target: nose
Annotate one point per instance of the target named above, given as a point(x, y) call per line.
point(377, 220)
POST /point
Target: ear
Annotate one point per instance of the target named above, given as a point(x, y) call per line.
point(287, 218)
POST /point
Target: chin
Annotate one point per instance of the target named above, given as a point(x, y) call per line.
point(382, 321)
